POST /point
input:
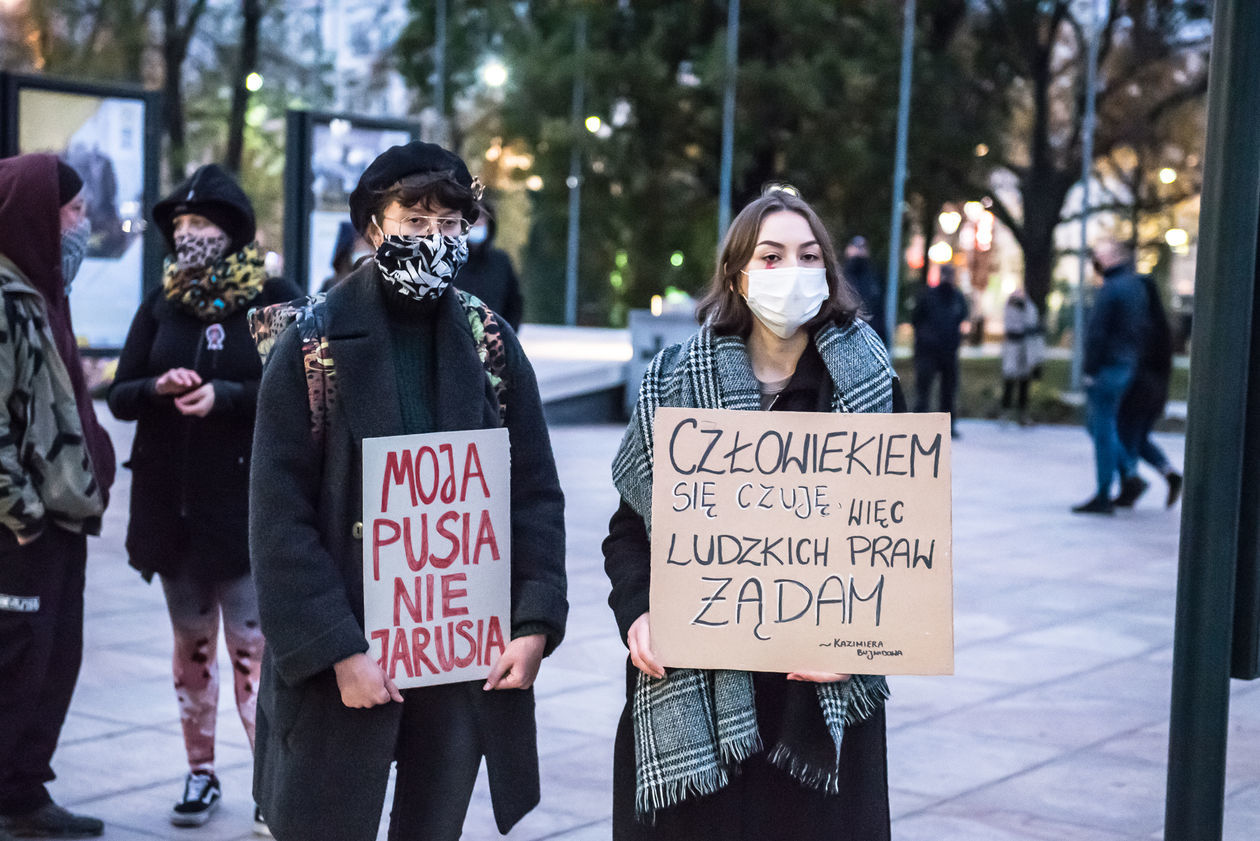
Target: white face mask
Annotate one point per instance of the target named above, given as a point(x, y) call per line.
point(785, 298)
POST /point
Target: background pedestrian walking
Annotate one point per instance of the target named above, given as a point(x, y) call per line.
point(1115, 336)
point(938, 318)
point(1143, 405)
point(1023, 349)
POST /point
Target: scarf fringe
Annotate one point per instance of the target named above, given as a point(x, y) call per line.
point(649, 799)
point(869, 693)
point(805, 773)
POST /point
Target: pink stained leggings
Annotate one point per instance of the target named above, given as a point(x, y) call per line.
point(194, 607)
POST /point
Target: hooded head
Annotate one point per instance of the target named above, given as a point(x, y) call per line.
point(31, 189)
point(212, 193)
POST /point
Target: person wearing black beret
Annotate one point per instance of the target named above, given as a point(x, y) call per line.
point(405, 352)
point(188, 375)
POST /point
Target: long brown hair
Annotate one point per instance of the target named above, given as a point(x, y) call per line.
point(726, 311)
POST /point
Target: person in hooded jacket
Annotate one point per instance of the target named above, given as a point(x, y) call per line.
point(488, 274)
point(188, 375)
point(402, 344)
point(56, 468)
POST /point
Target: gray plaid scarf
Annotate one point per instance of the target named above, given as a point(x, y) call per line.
point(692, 727)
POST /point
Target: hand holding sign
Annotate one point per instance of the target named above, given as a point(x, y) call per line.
point(639, 640)
point(517, 666)
point(363, 684)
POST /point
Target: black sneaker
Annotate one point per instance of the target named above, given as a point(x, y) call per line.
point(52, 821)
point(260, 823)
point(1174, 489)
point(1100, 504)
point(201, 798)
point(1131, 488)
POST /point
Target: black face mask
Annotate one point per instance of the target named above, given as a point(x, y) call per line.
point(421, 267)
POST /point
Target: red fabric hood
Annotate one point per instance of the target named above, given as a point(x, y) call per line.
point(30, 221)
point(30, 236)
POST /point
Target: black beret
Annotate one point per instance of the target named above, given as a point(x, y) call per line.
point(68, 183)
point(415, 158)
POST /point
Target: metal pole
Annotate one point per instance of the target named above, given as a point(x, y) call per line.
point(1225, 290)
point(1087, 175)
point(728, 118)
point(574, 180)
point(899, 173)
point(439, 67)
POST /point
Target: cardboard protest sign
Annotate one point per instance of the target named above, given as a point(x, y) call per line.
point(437, 538)
point(798, 541)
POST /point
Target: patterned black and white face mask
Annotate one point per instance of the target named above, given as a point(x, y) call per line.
point(421, 267)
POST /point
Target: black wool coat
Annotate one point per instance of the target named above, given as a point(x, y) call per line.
point(190, 475)
point(320, 768)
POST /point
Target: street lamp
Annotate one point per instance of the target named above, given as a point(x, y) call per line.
point(941, 252)
point(1168, 175)
point(494, 73)
point(1176, 238)
point(949, 221)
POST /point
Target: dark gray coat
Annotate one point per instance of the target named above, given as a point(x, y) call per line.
point(320, 768)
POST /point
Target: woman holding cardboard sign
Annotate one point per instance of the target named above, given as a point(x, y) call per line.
point(411, 355)
point(779, 331)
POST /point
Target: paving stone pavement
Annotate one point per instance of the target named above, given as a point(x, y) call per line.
point(1055, 725)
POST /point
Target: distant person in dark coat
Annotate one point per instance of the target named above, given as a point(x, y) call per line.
point(1115, 336)
point(348, 250)
point(189, 374)
point(1143, 406)
point(488, 274)
point(859, 270)
point(938, 317)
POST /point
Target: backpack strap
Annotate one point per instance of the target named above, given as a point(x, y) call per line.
point(267, 323)
point(488, 334)
point(317, 364)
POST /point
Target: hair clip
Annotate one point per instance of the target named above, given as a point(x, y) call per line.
point(780, 187)
point(477, 188)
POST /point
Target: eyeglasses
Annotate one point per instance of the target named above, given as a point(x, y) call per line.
point(414, 224)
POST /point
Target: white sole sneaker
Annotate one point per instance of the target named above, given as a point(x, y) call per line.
point(194, 818)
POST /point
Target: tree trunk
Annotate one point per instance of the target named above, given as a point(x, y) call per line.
point(251, 17)
point(1043, 196)
point(173, 51)
point(175, 38)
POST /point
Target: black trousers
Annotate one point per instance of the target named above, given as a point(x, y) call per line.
point(41, 647)
point(927, 367)
point(1009, 390)
point(438, 757)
